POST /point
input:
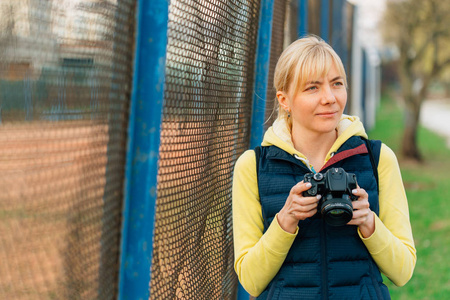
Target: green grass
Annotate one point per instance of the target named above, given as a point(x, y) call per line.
point(428, 190)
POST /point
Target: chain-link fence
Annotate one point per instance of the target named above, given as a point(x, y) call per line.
point(65, 78)
point(206, 122)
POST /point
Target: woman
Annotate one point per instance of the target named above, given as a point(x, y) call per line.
point(283, 247)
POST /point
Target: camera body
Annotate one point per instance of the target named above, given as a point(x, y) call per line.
point(336, 187)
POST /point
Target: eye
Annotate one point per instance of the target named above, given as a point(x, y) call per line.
point(311, 88)
point(338, 83)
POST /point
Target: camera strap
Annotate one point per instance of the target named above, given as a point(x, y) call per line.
point(372, 161)
point(369, 149)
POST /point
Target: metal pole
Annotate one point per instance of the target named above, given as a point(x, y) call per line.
point(303, 18)
point(262, 72)
point(338, 32)
point(325, 20)
point(143, 149)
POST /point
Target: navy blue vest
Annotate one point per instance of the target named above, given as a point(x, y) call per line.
point(324, 262)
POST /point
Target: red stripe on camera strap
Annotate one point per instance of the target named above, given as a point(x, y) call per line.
point(362, 149)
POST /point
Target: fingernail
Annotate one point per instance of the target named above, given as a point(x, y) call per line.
point(308, 184)
point(354, 191)
point(318, 197)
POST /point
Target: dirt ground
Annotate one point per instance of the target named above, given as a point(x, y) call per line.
point(52, 179)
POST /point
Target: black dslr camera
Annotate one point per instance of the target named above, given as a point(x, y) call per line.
point(336, 187)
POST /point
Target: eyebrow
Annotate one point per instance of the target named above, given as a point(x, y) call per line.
point(337, 78)
point(319, 82)
point(313, 82)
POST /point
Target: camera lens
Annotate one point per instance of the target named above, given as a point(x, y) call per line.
point(337, 211)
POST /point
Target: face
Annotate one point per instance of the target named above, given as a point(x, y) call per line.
point(317, 108)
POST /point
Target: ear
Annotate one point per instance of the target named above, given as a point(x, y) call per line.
point(283, 100)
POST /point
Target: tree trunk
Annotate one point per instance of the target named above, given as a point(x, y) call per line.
point(410, 149)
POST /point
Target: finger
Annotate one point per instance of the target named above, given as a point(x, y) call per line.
point(358, 221)
point(361, 203)
point(309, 203)
point(299, 215)
point(360, 214)
point(360, 192)
point(300, 200)
point(353, 222)
point(300, 187)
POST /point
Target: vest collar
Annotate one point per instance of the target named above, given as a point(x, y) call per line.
point(353, 146)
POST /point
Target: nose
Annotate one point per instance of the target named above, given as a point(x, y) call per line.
point(328, 96)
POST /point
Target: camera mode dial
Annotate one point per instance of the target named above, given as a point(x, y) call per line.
point(318, 176)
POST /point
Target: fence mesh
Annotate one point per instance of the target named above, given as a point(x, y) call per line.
point(65, 74)
point(206, 121)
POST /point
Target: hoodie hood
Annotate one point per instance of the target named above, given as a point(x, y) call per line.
point(279, 134)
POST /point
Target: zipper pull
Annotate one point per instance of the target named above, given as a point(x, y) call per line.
point(305, 162)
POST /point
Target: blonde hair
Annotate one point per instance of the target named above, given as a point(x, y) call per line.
point(304, 60)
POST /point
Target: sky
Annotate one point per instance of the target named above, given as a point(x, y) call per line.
point(371, 12)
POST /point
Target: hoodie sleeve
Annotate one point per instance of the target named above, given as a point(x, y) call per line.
point(257, 256)
point(392, 245)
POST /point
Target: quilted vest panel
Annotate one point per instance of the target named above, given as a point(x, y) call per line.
point(324, 262)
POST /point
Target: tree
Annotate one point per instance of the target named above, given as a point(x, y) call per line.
point(421, 31)
point(7, 24)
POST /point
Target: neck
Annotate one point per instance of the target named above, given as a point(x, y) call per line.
point(315, 146)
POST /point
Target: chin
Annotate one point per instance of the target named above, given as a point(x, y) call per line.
point(324, 131)
point(329, 125)
point(328, 129)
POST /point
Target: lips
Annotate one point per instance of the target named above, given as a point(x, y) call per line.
point(327, 114)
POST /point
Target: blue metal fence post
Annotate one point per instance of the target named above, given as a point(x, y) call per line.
point(262, 61)
point(338, 31)
point(325, 20)
point(303, 18)
point(143, 149)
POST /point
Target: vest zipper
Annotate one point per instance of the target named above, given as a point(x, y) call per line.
point(323, 253)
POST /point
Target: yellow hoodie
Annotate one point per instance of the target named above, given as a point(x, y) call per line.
point(258, 256)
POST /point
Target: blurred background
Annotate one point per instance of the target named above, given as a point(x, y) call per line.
point(121, 120)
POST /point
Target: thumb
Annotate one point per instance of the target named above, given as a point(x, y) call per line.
point(300, 187)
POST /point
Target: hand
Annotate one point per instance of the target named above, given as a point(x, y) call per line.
point(362, 215)
point(297, 207)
